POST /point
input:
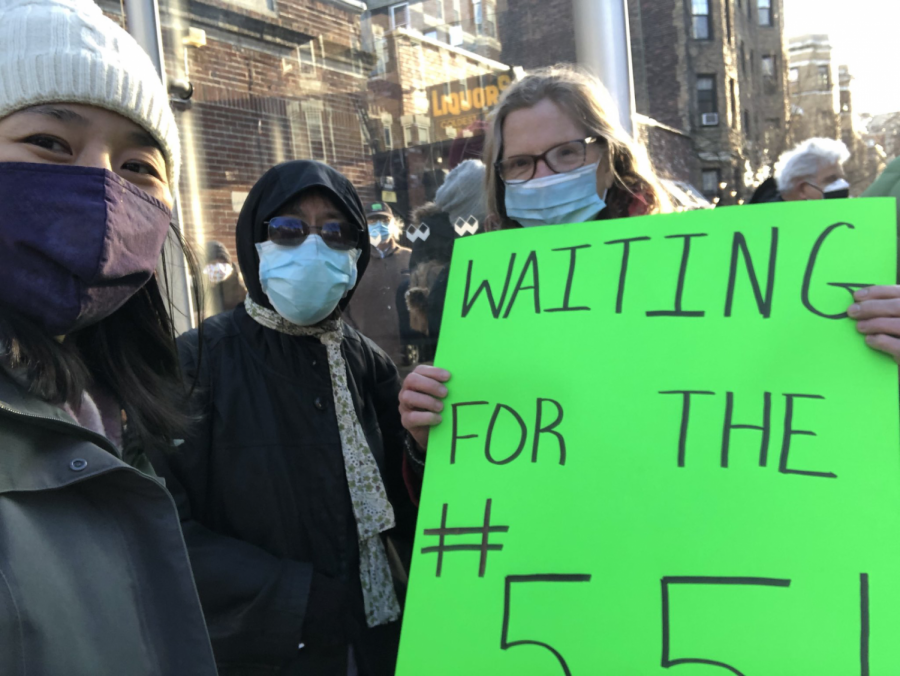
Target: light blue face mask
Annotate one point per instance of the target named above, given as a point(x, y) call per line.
point(556, 199)
point(305, 283)
point(379, 232)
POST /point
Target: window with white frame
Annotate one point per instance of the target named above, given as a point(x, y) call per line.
point(387, 124)
point(423, 129)
point(700, 13)
point(824, 78)
point(794, 75)
point(490, 19)
point(380, 50)
point(400, 15)
point(315, 129)
point(768, 66)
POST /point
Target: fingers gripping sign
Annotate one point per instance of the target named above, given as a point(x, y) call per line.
point(421, 401)
point(877, 315)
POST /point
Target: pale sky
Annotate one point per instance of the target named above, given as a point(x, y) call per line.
point(865, 35)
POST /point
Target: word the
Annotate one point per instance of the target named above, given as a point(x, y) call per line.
point(788, 431)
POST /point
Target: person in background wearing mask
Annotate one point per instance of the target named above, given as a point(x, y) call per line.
point(224, 287)
point(459, 210)
point(378, 310)
point(554, 155)
point(813, 171)
point(94, 576)
point(293, 480)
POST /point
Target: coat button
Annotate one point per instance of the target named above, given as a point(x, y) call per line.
point(315, 362)
point(78, 464)
point(320, 404)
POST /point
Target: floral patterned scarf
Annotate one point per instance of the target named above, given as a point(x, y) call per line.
point(371, 507)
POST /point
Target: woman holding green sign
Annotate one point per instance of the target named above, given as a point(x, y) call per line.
point(554, 155)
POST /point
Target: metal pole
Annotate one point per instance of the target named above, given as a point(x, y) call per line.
point(603, 46)
point(142, 20)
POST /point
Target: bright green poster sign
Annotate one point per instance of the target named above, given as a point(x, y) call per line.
point(665, 447)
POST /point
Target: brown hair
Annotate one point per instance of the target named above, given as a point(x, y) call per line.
point(585, 99)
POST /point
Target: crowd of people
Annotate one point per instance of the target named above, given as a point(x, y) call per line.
point(241, 499)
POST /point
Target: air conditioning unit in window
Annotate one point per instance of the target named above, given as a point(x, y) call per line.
point(709, 119)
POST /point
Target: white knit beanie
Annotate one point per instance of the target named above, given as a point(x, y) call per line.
point(67, 51)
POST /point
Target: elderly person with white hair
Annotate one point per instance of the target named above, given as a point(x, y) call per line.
point(813, 171)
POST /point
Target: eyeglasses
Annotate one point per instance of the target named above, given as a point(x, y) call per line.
point(562, 158)
point(291, 231)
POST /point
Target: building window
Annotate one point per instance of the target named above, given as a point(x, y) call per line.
point(315, 129)
point(258, 5)
point(743, 59)
point(479, 17)
point(700, 11)
point(424, 133)
point(388, 141)
point(400, 15)
point(752, 62)
point(728, 20)
point(768, 66)
point(765, 12)
point(456, 35)
point(794, 75)
point(490, 20)
point(824, 77)
point(710, 185)
point(706, 100)
point(749, 10)
point(434, 9)
point(746, 121)
point(734, 111)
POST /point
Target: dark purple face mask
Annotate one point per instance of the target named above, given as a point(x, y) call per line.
point(75, 243)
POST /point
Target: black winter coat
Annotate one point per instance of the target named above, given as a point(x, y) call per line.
point(261, 484)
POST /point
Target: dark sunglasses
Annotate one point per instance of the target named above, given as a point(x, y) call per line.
point(292, 231)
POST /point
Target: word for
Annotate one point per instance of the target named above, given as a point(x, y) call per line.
point(529, 279)
point(666, 584)
point(788, 431)
point(484, 530)
point(540, 425)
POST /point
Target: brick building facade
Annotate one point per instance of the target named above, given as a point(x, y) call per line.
point(715, 69)
point(813, 88)
point(392, 94)
point(272, 82)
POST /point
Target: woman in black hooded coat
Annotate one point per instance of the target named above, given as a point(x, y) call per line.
point(269, 516)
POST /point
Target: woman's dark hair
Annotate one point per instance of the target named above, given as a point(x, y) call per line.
point(131, 353)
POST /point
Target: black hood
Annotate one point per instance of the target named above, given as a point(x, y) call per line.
point(277, 187)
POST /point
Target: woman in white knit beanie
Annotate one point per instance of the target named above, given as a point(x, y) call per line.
point(94, 576)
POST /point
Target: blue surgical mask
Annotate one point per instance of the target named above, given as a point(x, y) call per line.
point(305, 283)
point(379, 232)
point(556, 199)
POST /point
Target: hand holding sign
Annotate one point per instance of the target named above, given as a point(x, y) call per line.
point(665, 414)
point(421, 401)
point(877, 312)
